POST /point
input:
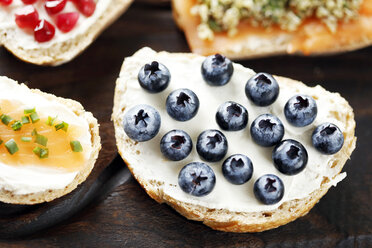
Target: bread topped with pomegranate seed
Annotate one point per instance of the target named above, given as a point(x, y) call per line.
point(48, 144)
point(238, 150)
point(54, 32)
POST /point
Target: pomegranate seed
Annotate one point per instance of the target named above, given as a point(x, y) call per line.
point(29, 1)
point(44, 31)
point(67, 21)
point(54, 6)
point(6, 2)
point(27, 17)
point(86, 7)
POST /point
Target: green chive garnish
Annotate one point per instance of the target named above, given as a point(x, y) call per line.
point(29, 111)
point(6, 119)
point(50, 120)
point(76, 146)
point(17, 125)
point(34, 132)
point(41, 140)
point(1, 141)
point(41, 152)
point(26, 139)
point(34, 117)
point(25, 120)
point(63, 125)
point(11, 146)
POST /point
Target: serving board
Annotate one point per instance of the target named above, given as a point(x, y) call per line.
point(111, 210)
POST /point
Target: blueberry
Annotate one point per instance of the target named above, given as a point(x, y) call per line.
point(328, 138)
point(232, 116)
point(300, 110)
point(197, 179)
point(262, 89)
point(176, 145)
point(268, 189)
point(290, 157)
point(154, 77)
point(237, 169)
point(212, 145)
point(267, 130)
point(217, 70)
point(182, 104)
point(142, 122)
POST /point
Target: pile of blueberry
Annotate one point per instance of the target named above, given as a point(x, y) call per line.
point(142, 123)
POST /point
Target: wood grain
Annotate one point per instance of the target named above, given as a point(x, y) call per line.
point(127, 217)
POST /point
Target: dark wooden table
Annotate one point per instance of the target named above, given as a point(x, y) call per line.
point(124, 216)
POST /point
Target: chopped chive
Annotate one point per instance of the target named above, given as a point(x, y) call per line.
point(26, 139)
point(41, 140)
point(25, 120)
point(34, 117)
point(1, 141)
point(76, 146)
point(17, 125)
point(214, 26)
point(41, 152)
point(63, 125)
point(50, 120)
point(6, 119)
point(29, 111)
point(11, 146)
point(34, 132)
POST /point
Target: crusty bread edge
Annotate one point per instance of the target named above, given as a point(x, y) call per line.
point(51, 194)
point(269, 46)
point(60, 53)
point(230, 221)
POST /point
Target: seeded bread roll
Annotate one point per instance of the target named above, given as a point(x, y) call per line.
point(51, 194)
point(62, 52)
point(147, 172)
point(246, 44)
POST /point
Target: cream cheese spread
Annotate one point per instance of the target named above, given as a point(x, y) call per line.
point(149, 164)
point(32, 178)
point(25, 39)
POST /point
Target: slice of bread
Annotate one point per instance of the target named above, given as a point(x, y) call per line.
point(51, 194)
point(249, 43)
point(62, 52)
point(158, 176)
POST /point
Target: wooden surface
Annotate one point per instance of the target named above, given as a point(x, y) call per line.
point(124, 216)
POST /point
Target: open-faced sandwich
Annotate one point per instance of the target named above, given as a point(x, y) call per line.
point(52, 32)
point(247, 28)
point(48, 144)
point(240, 151)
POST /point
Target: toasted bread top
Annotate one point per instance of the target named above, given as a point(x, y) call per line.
point(227, 203)
point(312, 37)
point(37, 179)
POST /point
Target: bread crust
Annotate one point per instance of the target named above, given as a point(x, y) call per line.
point(232, 221)
point(51, 194)
point(63, 52)
point(267, 45)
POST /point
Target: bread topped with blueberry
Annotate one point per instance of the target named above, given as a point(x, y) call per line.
point(238, 150)
point(54, 32)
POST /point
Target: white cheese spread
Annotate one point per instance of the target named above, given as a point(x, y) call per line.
point(149, 164)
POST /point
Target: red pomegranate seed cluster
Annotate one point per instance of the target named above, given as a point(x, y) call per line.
point(28, 17)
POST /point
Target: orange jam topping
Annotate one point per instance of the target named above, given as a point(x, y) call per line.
point(38, 142)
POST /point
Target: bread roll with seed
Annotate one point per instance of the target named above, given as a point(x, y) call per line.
point(223, 208)
point(60, 52)
point(260, 43)
point(9, 196)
